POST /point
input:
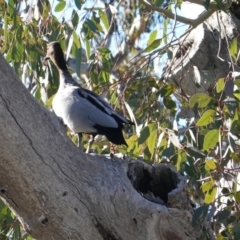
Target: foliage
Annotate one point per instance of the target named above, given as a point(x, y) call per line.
point(121, 45)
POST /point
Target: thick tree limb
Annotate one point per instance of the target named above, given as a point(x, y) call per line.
point(58, 192)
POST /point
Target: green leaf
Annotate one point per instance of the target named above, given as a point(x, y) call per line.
point(106, 63)
point(144, 134)
point(92, 26)
point(194, 152)
point(180, 159)
point(165, 30)
point(158, 2)
point(237, 95)
point(88, 48)
point(169, 103)
point(104, 19)
point(220, 85)
point(5, 29)
point(167, 90)
point(78, 61)
point(78, 4)
point(76, 39)
point(151, 141)
point(60, 6)
point(153, 45)
point(236, 231)
point(169, 151)
point(189, 168)
point(96, 21)
point(210, 164)
point(207, 185)
point(199, 214)
point(210, 196)
point(233, 47)
point(211, 139)
point(222, 215)
point(104, 50)
point(201, 99)
point(11, 7)
point(237, 83)
point(38, 94)
point(152, 37)
point(9, 55)
point(206, 4)
point(237, 196)
point(49, 101)
point(94, 77)
point(104, 76)
point(206, 118)
point(220, 5)
point(16, 53)
point(75, 19)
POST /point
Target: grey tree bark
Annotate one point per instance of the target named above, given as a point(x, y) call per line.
point(58, 192)
point(202, 57)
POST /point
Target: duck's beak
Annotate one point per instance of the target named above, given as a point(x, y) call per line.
point(45, 59)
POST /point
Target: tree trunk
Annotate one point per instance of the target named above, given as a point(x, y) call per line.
point(58, 192)
point(202, 57)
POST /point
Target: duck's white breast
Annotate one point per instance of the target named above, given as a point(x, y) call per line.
point(78, 113)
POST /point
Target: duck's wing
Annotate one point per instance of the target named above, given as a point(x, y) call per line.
point(104, 106)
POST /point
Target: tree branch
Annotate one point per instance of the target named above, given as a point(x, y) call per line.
point(59, 193)
point(192, 22)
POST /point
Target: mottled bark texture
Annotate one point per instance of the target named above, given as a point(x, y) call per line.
point(58, 192)
point(202, 57)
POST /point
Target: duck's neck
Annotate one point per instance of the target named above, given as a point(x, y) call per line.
point(64, 78)
point(59, 61)
point(64, 75)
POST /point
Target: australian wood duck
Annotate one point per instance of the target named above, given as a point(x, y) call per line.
point(83, 111)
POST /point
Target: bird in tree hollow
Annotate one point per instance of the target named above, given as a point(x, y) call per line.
point(82, 110)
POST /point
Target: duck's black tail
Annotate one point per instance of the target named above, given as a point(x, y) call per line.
point(114, 135)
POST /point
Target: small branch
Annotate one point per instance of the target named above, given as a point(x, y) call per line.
point(202, 17)
point(166, 13)
point(192, 22)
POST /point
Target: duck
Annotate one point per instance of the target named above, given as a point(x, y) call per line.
point(82, 110)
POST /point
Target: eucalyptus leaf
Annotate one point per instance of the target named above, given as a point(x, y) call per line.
point(206, 118)
point(78, 4)
point(233, 47)
point(144, 134)
point(152, 37)
point(207, 185)
point(201, 99)
point(222, 215)
point(60, 6)
point(210, 164)
point(210, 195)
point(211, 139)
point(104, 18)
point(220, 85)
point(155, 44)
point(199, 214)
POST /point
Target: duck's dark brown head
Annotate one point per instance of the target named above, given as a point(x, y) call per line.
point(55, 53)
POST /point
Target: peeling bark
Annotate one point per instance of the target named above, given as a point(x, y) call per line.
point(58, 192)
